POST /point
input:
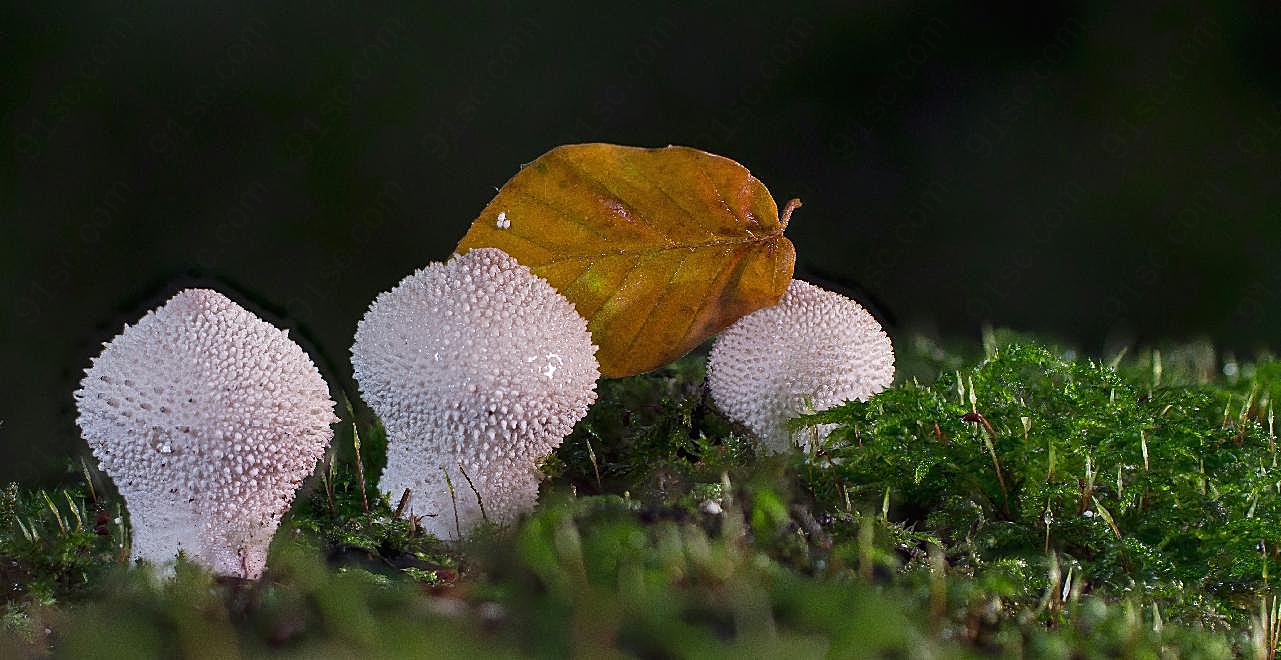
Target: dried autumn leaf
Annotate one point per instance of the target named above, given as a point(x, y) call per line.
point(657, 248)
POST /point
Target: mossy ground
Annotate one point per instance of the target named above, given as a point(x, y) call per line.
point(1014, 501)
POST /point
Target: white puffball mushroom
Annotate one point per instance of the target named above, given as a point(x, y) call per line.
point(478, 369)
point(207, 418)
point(814, 350)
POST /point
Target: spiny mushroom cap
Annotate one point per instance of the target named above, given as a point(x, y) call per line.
point(813, 350)
point(207, 418)
point(476, 363)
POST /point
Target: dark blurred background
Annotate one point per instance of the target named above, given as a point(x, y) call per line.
point(1101, 173)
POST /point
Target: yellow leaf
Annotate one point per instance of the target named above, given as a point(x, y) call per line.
point(657, 248)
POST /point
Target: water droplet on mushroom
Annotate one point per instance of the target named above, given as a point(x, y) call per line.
point(162, 444)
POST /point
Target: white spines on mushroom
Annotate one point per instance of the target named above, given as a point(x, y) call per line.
point(814, 350)
point(207, 418)
point(478, 369)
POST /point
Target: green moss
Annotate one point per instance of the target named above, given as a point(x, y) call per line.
point(1145, 492)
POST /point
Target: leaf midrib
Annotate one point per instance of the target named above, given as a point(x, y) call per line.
point(668, 248)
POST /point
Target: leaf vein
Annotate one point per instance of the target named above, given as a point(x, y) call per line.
point(659, 186)
point(769, 238)
point(614, 294)
point(585, 174)
point(658, 301)
point(747, 226)
point(708, 299)
point(562, 213)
